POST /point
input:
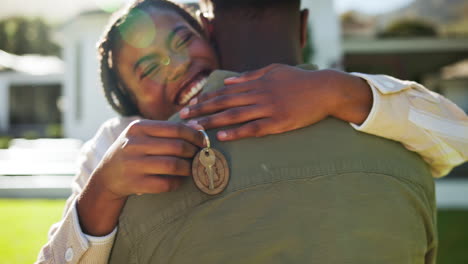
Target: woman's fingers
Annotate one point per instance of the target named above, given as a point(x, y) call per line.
point(158, 184)
point(250, 76)
point(219, 103)
point(164, 129)
point(164, 165)
point(240, 84)
point(233, 116)
point(145, 145)
point(257, 128)
point(227, 90)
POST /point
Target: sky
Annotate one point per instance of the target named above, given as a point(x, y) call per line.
point(57, 10)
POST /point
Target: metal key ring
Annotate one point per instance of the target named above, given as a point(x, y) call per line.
point(207, 139)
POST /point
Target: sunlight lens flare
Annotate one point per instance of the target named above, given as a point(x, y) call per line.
point(138, 30)
point(110, 5)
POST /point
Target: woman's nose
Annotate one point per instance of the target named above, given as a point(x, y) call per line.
point(178, 66)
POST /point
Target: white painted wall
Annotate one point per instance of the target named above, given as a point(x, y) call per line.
point(4, 105)
point(326, 32)
point(83, 33)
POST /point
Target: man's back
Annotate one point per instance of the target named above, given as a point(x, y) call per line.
point(303, 196)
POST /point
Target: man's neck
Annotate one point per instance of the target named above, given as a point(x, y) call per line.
point(245, 46)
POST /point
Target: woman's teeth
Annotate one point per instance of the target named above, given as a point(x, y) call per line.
point(193, 91)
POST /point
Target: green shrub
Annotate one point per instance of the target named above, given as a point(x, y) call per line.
point(409, 27)
point(54, 131)
point(31, 134)
point(308, 51)
point(5, 142)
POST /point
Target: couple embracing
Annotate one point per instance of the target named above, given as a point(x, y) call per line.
point(306, 185)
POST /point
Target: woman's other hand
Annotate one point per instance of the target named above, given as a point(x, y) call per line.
point(280, 98)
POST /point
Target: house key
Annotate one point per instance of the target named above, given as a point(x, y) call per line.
point(210, 170)
point(208, 159)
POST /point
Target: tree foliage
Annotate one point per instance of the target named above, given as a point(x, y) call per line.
point(308, 51)
point(20, 35)
point(404, 28)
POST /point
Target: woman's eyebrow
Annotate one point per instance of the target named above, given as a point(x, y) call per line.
point(143, 59)
point(173, 33)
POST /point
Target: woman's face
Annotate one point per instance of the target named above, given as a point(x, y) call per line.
point(163, 61)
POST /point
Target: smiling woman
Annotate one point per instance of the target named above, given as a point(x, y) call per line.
point(155, 60)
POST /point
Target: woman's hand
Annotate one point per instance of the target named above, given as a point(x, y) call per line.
point(143, 153)
point(280, 98)
point(148, 157)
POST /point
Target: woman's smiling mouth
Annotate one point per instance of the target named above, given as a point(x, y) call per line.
point(191, 89)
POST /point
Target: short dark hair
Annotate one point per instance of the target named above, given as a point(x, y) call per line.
point(227, 4)
point(117, 94)
point(246, 8)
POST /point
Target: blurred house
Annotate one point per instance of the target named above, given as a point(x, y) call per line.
point(409, 58)
point(85, 105)
point(440, 12)
point(452, 82)
point(358, 25)
point(438, 62)
point(30, 89)
point(84, 102)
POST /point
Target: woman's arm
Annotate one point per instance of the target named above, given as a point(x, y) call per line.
point(114, 169)
point(134, 164)
point(67, 241)
point(282, 98)
point(423, 121)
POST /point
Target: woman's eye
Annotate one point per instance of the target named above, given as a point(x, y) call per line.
point(150, 69)
point(183, 40)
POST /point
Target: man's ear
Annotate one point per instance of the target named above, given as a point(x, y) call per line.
point(207, 25)
point(304, 27)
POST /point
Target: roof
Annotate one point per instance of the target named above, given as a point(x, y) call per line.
point(31, 64)
point(404, 45)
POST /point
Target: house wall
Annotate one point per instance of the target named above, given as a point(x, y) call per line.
point(84, 103)
point(326, 33)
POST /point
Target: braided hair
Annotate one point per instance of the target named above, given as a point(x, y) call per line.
point(121, 99)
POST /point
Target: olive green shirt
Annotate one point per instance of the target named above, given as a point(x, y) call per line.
point(321, 194)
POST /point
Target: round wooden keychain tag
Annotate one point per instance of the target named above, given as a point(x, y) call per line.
point(210, 169)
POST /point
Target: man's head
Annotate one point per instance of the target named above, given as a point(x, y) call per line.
point(250, 34)
point(253, 7)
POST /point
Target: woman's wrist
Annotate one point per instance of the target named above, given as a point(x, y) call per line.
point(98, 209)
point(351, 97)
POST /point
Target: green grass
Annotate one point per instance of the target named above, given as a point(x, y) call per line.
point(453, 237)
point(24, 225)
point(23, 228)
